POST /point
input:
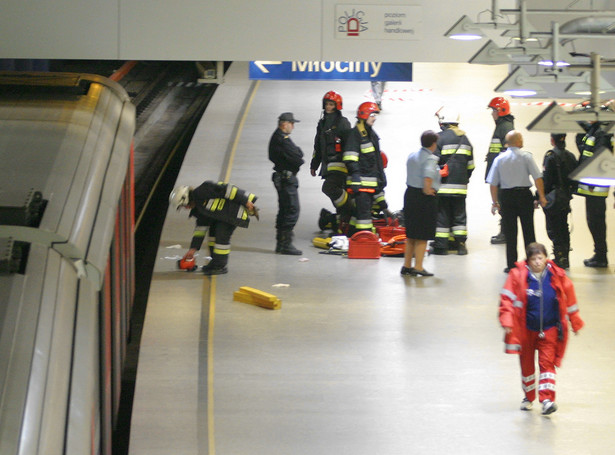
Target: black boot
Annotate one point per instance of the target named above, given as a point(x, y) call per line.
point(561, 257)
point(597, 260)
point(286, 245)
point(278, 242)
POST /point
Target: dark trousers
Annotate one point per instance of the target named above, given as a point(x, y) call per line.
point(557, 229)
point(451, 221)
point(287, 186)
point(517, 203)
point(595, 213)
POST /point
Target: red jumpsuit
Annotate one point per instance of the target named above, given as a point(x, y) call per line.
point(522, 341)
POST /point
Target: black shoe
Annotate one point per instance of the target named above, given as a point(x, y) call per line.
point(498, 239)
point(214, 270)
point(407, 271)
point(461, 249)
point(507, 269)
point(423, 272)
point(595, 261)
point(439, 251)
point(290, 250)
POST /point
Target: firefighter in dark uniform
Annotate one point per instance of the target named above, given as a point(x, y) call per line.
point(454, 152)
point(504, 123)
point(595, 196)
point(287, 159)
point(366, 178)
point(557, 164)
point(328, 156)
point(218, 208)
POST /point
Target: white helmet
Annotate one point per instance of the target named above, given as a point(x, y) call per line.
point(180, 197)
point(446, 115)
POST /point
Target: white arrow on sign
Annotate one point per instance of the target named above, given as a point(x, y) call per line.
point(261, 65)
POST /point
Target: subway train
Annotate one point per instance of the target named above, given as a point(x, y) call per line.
point(66, 264)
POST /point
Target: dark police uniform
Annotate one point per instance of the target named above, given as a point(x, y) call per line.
point(287, 159)
point(557, 164)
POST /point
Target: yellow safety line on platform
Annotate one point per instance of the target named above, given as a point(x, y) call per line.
point(239, 131)
point(210, 362)
point(211, 285)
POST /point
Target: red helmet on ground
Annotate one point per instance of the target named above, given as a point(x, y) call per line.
point(501, 105)
point(385, 159)
point(332, 96)
point(367, 108)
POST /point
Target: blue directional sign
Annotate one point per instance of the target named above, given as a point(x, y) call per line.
point(340, 71)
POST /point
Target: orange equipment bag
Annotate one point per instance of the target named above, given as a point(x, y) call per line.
point(364, 245)
point(395, 246)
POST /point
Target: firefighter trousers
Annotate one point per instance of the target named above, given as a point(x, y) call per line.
point(546, 348)
point(451, 221)
point(334, 186)
point(595, 213)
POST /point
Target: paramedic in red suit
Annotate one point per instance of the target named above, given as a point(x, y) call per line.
point(536, 305)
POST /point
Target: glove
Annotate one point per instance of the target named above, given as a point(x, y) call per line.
point(444, 171)
point(254, 212)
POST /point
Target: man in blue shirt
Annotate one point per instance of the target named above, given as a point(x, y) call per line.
point(511, 172)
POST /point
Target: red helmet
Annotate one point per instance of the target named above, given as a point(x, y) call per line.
point(333, 96)
point(366, 109)
point(385, 159)
point(501, 105)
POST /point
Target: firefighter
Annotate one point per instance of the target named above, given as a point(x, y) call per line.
point(287, 159)
point(331, 130)
point(504, 123)
point(454, 152)
point(218, 208)
point(595, 196)
point(366, 178)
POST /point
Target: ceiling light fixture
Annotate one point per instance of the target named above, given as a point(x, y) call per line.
point(465, 29)
point(598, 170)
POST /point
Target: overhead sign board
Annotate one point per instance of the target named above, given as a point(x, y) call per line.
point(341, 71)
point(378, 22)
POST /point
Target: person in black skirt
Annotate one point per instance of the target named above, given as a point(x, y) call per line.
point(420, 206)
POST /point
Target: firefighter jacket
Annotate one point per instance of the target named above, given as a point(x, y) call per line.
point(455, 150)
point(328, 149)
point(363, 159)
point(593, 139)
point(503, 125)
point(513, 307)
point(222, 202)
point(283, 152)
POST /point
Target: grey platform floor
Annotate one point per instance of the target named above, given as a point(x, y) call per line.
point(358, 360)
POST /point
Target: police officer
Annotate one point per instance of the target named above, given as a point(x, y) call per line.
point(509, 180)
point(504, 122)
point(366, 178)
point(454, 152)
point(328, 154)
point(557, 164)
point(218, 208)
point(287, 159)
point(595, 196)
